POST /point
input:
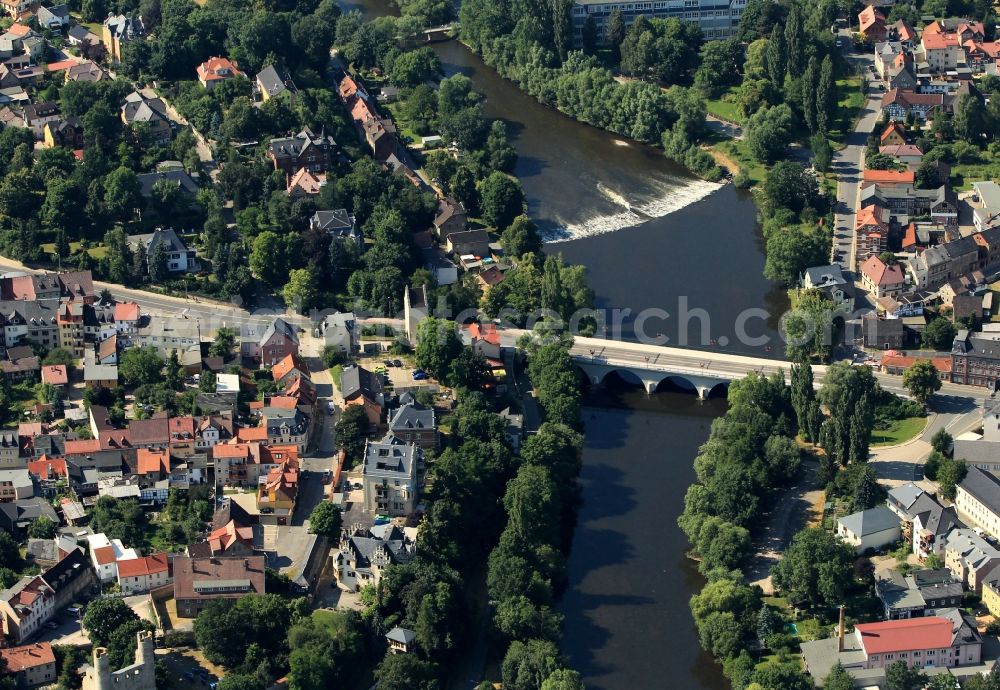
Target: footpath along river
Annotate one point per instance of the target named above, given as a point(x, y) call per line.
point(652, 237)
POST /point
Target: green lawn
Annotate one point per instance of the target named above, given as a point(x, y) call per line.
point(736, 150)
point(964, 174)
point(392, 110)
point(74, 248)
point(849, 102)
point(725, 106)
point(901, 430)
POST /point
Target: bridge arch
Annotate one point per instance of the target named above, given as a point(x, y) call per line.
point(719, 390)
point(618, 377)
point(675, 383)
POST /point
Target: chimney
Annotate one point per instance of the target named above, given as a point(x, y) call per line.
point(840, 631)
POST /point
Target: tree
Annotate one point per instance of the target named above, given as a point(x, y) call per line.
point(10, 554)
point(528, 664)
point(816, 567)
point(725, 613)
point(405, 672)
point(776, 58)
point(939, 334)
point(269, 258)
point(415, 67)
point(901, 676)
point(922, 380)
point(158, 271)
point(122, 194)
point(941, 441)
point(325, 519)
point(351, 432)
point(563, 679)
point(950, 474)
point(437, 346)
point(615, 32)
point(769, 131)
point(766, 624)
point(208, 382)
point(301, 292)
point(43, 528)
point(225, 341)
point(822, 153)
point(790, 186)
point(104, 616)
point(720, 66)
point(501, 200)
point(521, 238)
point(140, 365)
point(825, 95)
point(589, 37)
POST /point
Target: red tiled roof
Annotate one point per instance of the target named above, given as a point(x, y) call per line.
point(283, 402)
point(146, 565)
point(869, 17)
point(868, 216)
point(181, 428)
point(55, 374)
point(126, 311)
point(486, 331)
point(152, 461)
point(47, 468)
point(942, 364)
point(19, 30)
point(894, 127)
point(935, 41)
point(881, 273)
point(286, 365)
point(932, 632)
point(252, 433)
point(908, 99)
point(29, 656)
point(61, 65)
point(114, 439)
point(148, 431)
point(104, 555)
point(910, 237)
point(215, 68)
point(82, 446)
point(897, 150)
point(890, 176)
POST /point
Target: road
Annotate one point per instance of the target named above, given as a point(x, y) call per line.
point(904, 462)
point(848, 163)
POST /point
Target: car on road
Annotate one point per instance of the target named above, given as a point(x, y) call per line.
point(326, 476)
point(387, 362)
point(52, 625)
point(330, 407)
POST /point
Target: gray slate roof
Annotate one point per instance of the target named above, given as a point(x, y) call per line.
point(357, 379)
point(391, 458)
point(401, 635)
point(411, 416)
point(984, 487)
point(871, 521)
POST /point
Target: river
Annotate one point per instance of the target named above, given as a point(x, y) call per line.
point(651, 237)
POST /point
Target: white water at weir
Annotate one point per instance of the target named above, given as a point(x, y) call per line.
point(672, 197)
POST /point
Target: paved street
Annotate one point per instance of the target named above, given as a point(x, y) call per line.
point(903, 463)
point(848, 163)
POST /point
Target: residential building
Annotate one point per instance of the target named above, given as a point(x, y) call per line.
point(361, 387)
point(67, 133)
point(389, 475)
point(893, 135)
point(106, 553)
point(305, 183)
point(314, 152)
point(268, 345)
point(882, 333)
point(175, 178)
point(907, 154)
point(871, 24)
point(975, 360)
point(401, 640)
point(897, 104)
point(829, 280)
point(948, 638)
point(451, 217)
point(10, 449)
point(339, 224)
point(717, 20)
point(17, 8)
point(164, 242)
point(37, 115)
point(15, 485)
point(198, 581)
point(871, 226)
point(139, 575)
point(978, 500)
point(232, 540)
point(986, 209)
point(468, 242)
point(79, 36)
point(270, 83)
point(341, 331)
point(991, 596)
point(365, 553)
point(146, 107)
point(31, 665)
point(55, 375)
point(16, 516)
point(140, 675)
point(30, 603)
point(908, 596)
point(869, 529)
point(277, 493)
point(288, 368)
point(286, 427)
point(85, 71)
point(216, 70)
point(119, 30)
point(881, 279)
point(971, 558)
point(412, 423)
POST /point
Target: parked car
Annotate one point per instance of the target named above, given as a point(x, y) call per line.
point(419, 375)
point(397, 363)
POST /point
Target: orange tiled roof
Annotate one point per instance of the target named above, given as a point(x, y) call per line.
point(890, 176)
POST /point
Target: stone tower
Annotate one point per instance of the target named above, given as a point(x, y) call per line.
point(141, 675)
